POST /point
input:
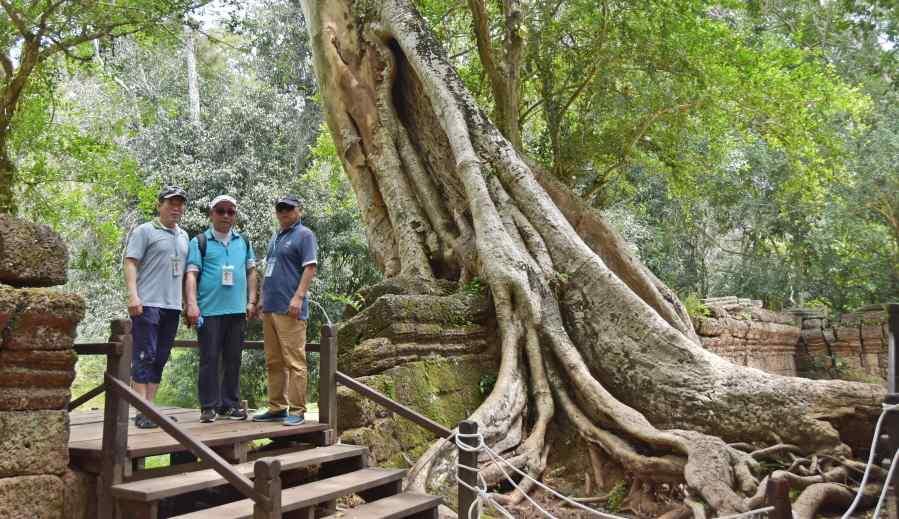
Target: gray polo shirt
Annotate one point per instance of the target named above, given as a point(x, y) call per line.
point(162, 256)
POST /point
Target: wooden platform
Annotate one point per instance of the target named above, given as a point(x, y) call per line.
point(86, 435)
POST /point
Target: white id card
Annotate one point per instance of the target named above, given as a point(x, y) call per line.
point(228, 275)
point(176, 266)
point(270, 267)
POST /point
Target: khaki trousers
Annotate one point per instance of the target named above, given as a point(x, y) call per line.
point(285, 361)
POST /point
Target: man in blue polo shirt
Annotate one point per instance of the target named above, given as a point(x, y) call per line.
point(289, 269)
point(221, 272)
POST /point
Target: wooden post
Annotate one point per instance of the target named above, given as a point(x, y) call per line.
point(891, 420)
point(469, 477)
point(893, 347)
point(115, 420)
point(777, 494)
point(327, 381)
point(268, 483)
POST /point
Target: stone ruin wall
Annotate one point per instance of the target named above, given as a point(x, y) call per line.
point(797, 342)
point(37, 367)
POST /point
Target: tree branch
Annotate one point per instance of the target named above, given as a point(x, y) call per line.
point(16, 18)
point(482, 37)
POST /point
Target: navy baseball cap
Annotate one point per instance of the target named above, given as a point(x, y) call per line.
point(172, 192)
point(290, 200)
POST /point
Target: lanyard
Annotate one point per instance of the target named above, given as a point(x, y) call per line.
point(276, 239)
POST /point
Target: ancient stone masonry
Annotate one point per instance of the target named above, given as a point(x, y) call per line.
point(436, 363)
point(798, 342)
point(852, 346)
point(37, 366)
point(746, 334)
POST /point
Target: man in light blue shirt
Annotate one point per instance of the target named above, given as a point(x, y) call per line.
point(221, 290)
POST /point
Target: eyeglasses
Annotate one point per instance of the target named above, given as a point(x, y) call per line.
point(284, 208)
point(221, 211)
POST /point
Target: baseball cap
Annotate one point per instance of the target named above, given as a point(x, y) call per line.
point(222, 198)
point(172, 192)
point(290, 200)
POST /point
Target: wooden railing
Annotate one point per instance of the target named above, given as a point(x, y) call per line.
point(265, 491)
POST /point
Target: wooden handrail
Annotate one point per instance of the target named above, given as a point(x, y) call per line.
point(239, 481)
point(98, 348)
point(114, 348)
point(313, 347)
point(85, 397)
point(396, 407)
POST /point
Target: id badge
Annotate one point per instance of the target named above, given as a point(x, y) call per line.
point(176, 266)
point(270, 267)
point(228, 275)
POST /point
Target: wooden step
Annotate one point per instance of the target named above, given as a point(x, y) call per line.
point(393, 507)
point(155, 489)
point(308, 495)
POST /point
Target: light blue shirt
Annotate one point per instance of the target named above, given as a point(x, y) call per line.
point(214, 297)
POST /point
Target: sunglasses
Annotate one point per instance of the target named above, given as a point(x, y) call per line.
point(221, 211)
point(284, 208)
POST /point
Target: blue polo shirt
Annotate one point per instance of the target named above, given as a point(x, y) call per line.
point(289, 252)
point(213, 297)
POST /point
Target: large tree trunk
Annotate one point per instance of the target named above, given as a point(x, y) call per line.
point(586, 330)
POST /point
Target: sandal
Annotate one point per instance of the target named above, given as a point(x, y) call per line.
point(142, 422)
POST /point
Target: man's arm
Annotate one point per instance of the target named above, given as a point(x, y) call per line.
point(296, 302)
point(135, 305)
point(252, 285)
point(190, 295)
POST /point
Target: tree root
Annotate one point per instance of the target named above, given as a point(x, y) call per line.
point(819, 495)
point(774, 450)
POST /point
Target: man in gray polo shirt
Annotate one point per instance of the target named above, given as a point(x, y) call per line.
point(154, 270)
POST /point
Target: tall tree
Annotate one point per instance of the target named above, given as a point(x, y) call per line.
point(585, 329)
point(34, 33)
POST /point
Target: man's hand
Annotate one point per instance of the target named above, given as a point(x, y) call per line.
point(135, 306)
point(295, 305)
point(251, 311)
point(193, 314)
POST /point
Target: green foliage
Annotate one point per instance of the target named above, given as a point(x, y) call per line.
point(474, 287)
point(486, 384)
point(695, 307)
point(616, 496)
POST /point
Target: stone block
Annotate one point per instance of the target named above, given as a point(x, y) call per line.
point(35, 378)
point(40, 319)
point(32, 497)
point(38, 359)
point(33, 442)
point(31, 255)
point(33, 399)
point(80, 497)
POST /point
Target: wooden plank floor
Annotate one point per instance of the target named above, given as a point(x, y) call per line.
point(86, 433)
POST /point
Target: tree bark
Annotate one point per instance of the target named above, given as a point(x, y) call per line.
point(585, 330)
point(193, 80)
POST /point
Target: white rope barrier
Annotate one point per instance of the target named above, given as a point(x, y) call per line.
point(485, 496)
point(861, 487)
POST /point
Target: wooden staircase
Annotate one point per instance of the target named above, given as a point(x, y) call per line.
point(304, 480)
point(342, 471)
